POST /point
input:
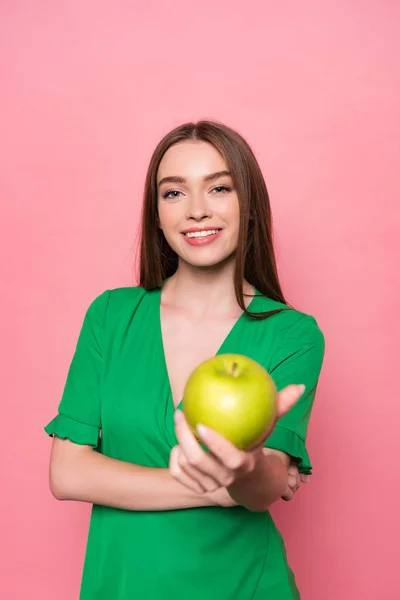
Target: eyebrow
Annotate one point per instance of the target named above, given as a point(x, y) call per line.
point(178, 179)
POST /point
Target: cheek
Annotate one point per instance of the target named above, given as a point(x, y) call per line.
point(170, 215)
point(231, 209)
point(232, 213)
point(164, 217)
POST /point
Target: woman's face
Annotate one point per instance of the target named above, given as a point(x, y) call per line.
point(198, 206)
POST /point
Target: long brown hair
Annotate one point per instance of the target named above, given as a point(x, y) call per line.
point(255, 256)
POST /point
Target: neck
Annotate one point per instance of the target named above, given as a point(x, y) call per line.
point(205, 291)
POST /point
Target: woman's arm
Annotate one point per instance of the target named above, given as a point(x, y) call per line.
point(265, 484)
point(80, 473)
point(293, 477)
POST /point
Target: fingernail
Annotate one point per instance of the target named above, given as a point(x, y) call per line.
point(307, 479)
point(178, 416)
point(203, 431)
point(301, 387)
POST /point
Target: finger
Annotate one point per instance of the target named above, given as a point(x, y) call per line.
point(292, 482)
point(304, 478)
point(234, 459)
point(187, 441)
point(294, 477)
point(206, 481)
point(294, 485)
point(196, 456)
point(287, 398)
point(293, 470)
point(178, 474)
point(288, 495)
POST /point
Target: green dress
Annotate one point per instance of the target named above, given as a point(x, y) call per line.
point(117, 398)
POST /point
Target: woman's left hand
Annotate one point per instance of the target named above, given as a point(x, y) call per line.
point(295, 479)
point(225, 464)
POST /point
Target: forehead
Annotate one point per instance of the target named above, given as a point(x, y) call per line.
point(191, 160)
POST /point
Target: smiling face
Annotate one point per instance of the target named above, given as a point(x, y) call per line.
point(198, 206)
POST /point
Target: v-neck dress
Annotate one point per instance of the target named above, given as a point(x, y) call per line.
point(117, 398)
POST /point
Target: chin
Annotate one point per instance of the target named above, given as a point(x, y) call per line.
point(214, 259)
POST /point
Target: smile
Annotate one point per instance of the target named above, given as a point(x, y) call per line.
point(202, 237)
point(205, 233)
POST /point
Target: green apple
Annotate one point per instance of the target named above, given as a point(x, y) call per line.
point(232, 394)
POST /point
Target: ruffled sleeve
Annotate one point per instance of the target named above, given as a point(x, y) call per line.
point(79, 411)
point(298, 359)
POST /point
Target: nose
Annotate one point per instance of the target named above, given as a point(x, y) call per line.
point(198, 208)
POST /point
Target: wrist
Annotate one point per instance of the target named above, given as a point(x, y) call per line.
point(255, 461)
point(221, 497)
point(248, 489)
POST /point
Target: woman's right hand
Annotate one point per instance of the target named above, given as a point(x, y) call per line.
point(218, 497)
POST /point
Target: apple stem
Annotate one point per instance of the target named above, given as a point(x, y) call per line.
point(234, 367)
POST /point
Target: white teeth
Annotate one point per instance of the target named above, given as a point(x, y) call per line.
point(204, 233)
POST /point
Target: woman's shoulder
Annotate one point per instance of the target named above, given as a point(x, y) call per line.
point(289, 322)
point(128, 297)
point(115, 300)
point(123, 295)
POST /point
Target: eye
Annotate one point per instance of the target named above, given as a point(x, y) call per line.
point(171, 194)
point(222, 189)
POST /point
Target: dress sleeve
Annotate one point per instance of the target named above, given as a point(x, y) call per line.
point(79, 412)
point(298, 359)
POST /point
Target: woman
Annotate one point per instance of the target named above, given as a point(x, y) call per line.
point(171, 521)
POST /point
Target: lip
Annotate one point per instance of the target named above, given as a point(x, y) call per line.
point(201, 241)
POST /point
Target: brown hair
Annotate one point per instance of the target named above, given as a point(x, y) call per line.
point(255, 257)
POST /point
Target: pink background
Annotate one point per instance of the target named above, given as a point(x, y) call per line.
point(88, 88)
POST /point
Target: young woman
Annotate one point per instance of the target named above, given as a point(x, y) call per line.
point(171, 521)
